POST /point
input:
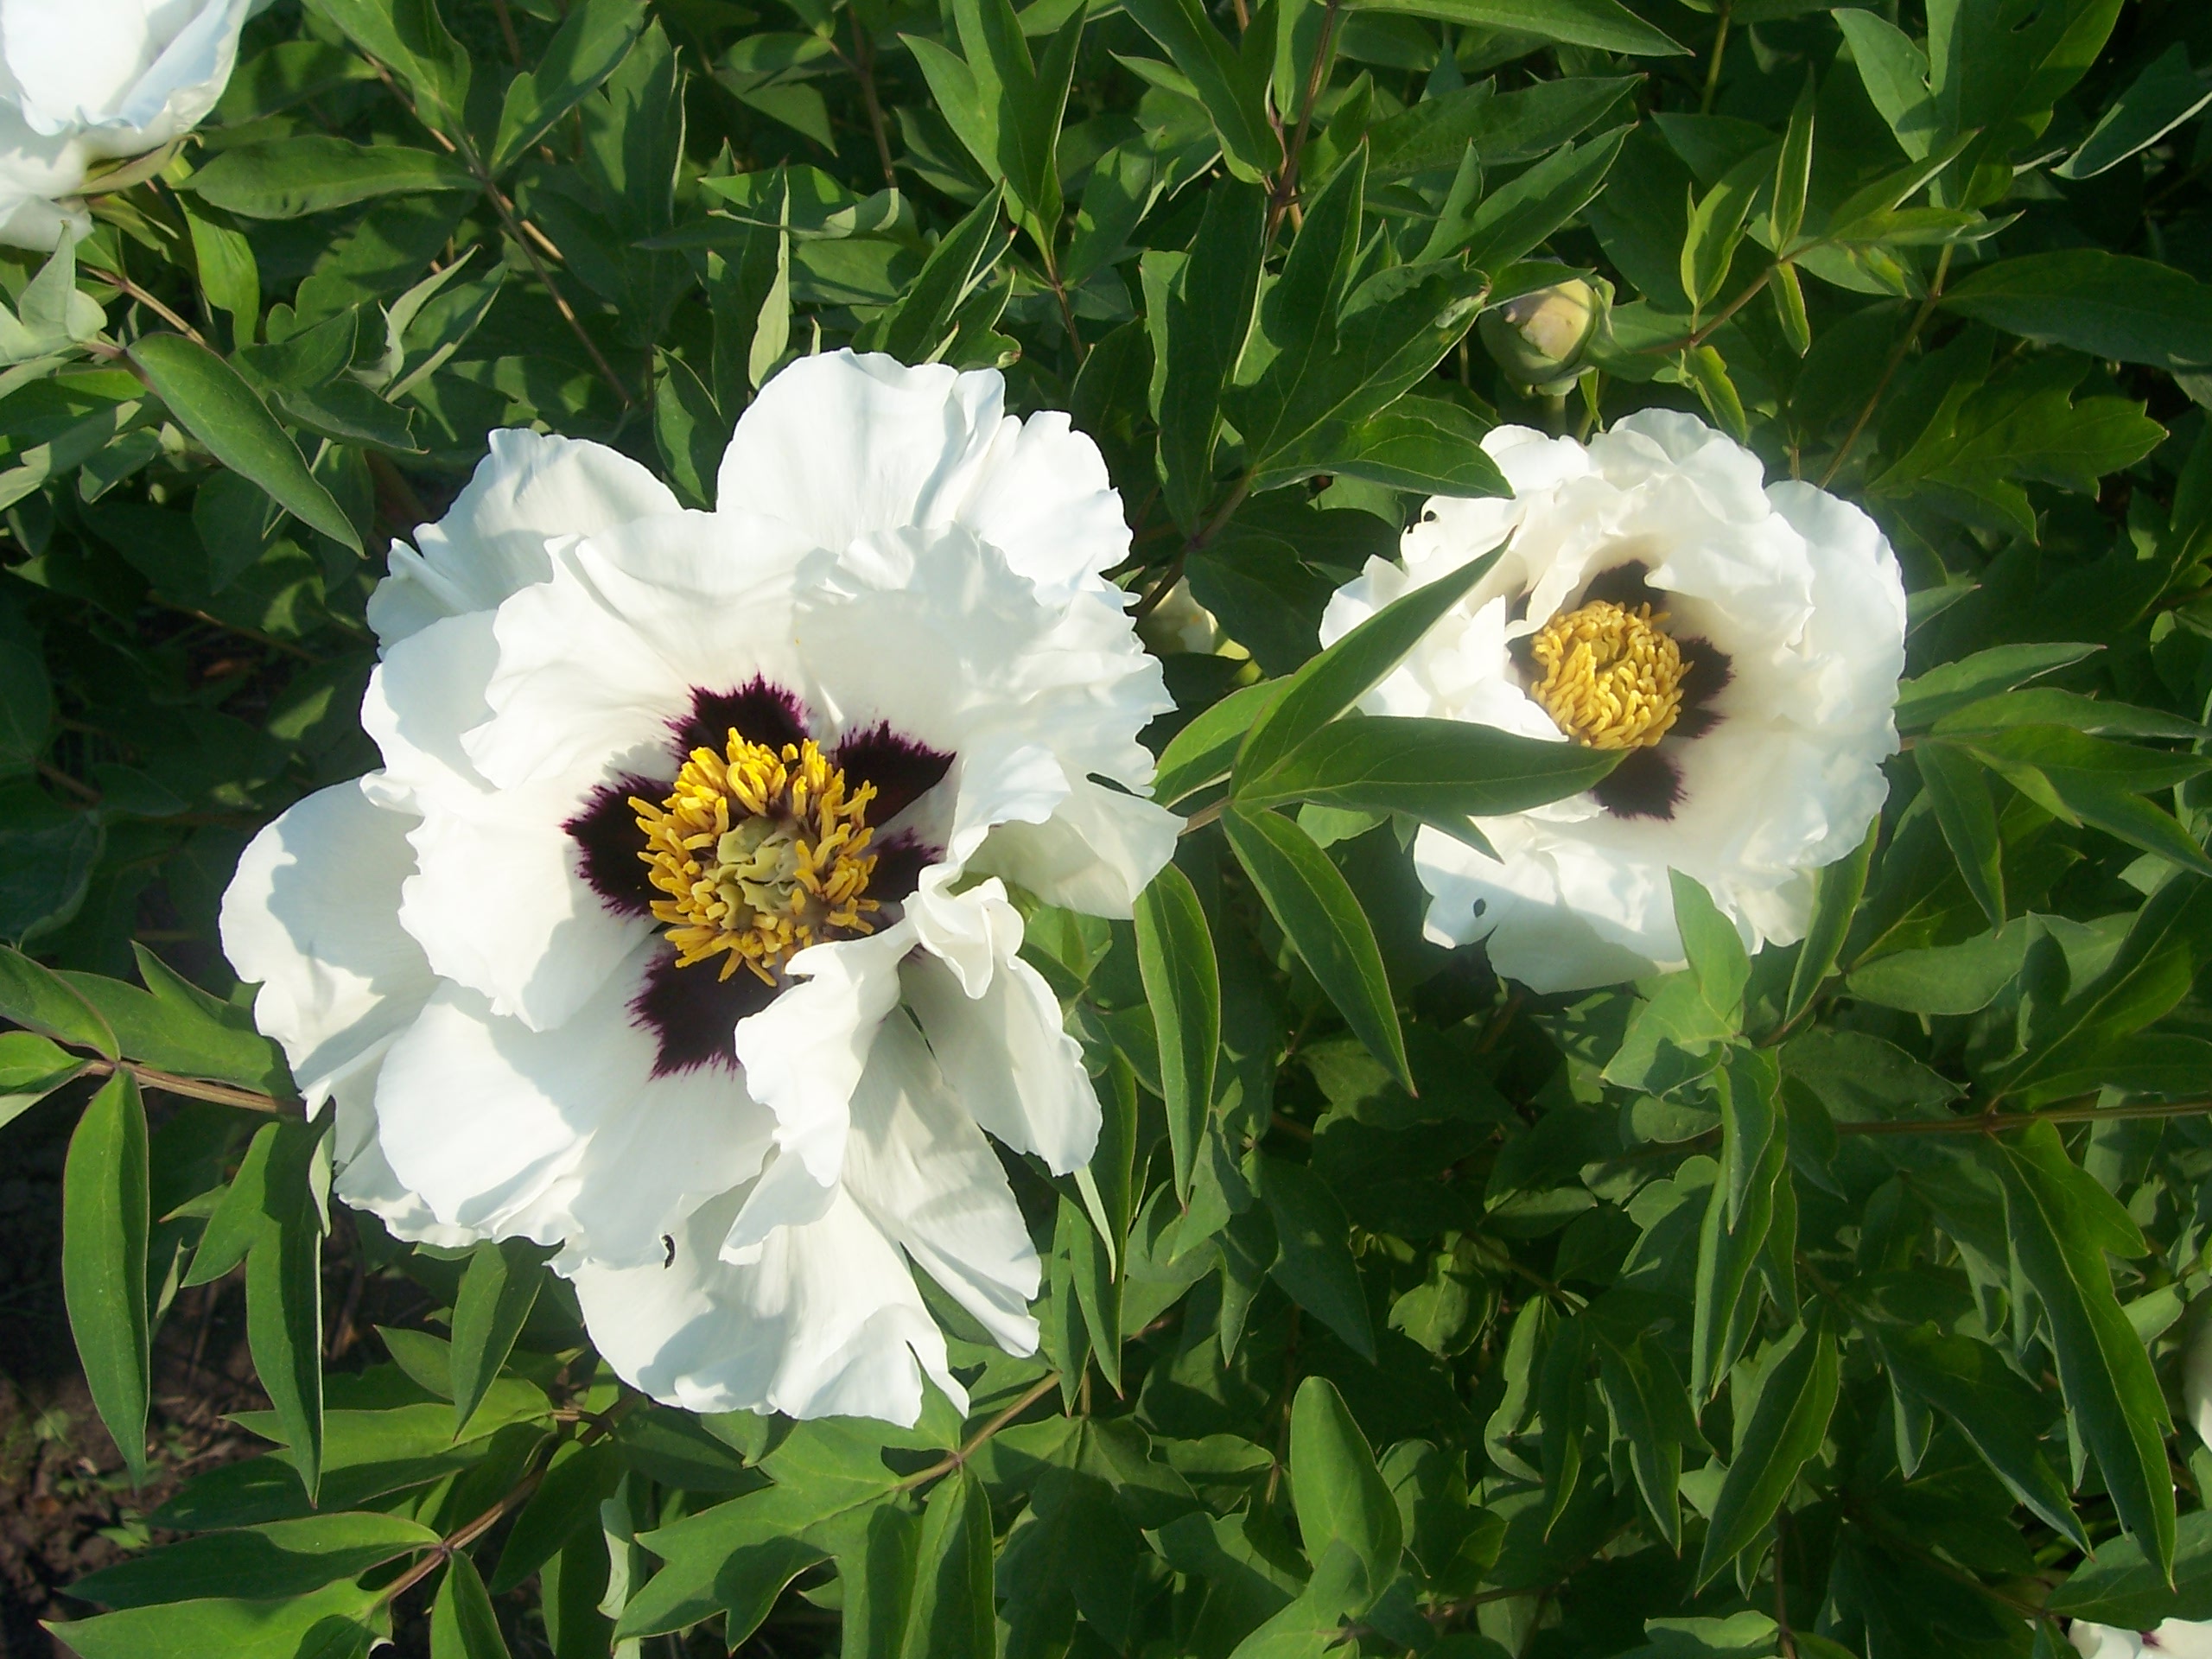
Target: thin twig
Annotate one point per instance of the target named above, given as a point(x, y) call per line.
point(1204, 815)
point(168, 1083)
point(1713, 68)
point(508, 28)
point(1997, 1122)
point(122, 284)
point(953, 1461)
point(1285, 194)
point(1890, 369)
point(864, 71)
point(1199, 538)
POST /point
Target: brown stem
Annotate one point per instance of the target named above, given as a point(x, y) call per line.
point(1199, 538)
point(507, 29)
point(84, 791)
point(1204, 815)
point(975, 1443)
point(864, 70)
point(168, 1083)
point(507, 217)
point(1705, 331)
point(1890, 369)
point(1060, 293)
point(1285, 195)
point(122, 284)
point(1996, 1123)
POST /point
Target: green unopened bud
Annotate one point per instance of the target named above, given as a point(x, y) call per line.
point(1179, 623)
point(1542, 339)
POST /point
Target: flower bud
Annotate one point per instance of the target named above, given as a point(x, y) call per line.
point(1179, 623)
point(1542, 338)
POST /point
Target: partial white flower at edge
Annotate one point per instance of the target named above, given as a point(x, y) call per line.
point(882, 675)
point(2177, 1637)
point(1742, 641)
point(87, 82)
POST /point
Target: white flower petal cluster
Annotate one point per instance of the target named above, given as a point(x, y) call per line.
point(1786, 610)
point(2177, 1637)
point(84, 82)
point(472, 953)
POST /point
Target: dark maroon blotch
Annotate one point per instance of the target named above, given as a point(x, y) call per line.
point(900, 862)
point(902, 770)
point(1707, 674)
point(759, 713)
point(693, 1013)
point(609, 843)
point(1625, 585)
point(1646, 785)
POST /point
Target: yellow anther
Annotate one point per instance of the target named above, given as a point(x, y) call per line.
point(760, 854)
point(1611, 678)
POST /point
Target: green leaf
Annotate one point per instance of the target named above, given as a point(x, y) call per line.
point(919, 327)
point(1427, 444)
point(2109, 305)
point(104, 1221)
point(1837, 889)
point(1716, 229)
point(410, 38)
point(1313, 1263)
point(1783, 1434)
point(1338, 1493)
point(1346, 672)
point(1203, 752)
point(2059, 1235)
point(1603, 25)
point(1442, 771)
point(26, 708)
point(2123, 1587)
point(591, 42)
point(207, 397)
point(314, 172)
point(951, 1615)
point(283, 1325)
point(564, 1506)
point(175, 1025)
point(278, 1558)
point(1715, 950)
point(463, 1624)
point(1895, 74)
point(1960, 795)
point(36, 997)
point(1234, 99)
point(497, 1293)
point(1514, 220)
point(1793, 172)
point(1209, 318)
point(1754, 1160)
point(1999, 1415)
point(2166, 94)
point(31, 1068)
point(1942, 691)
point(1316, 909)
point(1183, 986)
point(336, 1622)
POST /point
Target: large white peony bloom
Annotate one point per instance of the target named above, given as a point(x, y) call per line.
point(2175, 1637)
point(87, 81)
point(1741, 643)
point(672, 928)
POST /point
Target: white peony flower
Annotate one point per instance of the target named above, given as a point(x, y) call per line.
point(672, 930)
point(87, 81)
point(1743, 644)
point(2174, 1636)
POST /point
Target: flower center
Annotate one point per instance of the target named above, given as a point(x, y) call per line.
point(761, 853)
point(1612, 679)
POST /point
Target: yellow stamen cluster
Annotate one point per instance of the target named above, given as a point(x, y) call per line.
point(1612, 679)
point(761, 853)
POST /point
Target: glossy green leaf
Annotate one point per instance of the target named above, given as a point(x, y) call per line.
point(2109, 305)
point(1183, 986)
point(314, 172)
point(207, 397)
point(1837, 889)
point(1338, 1492)
point(36, 996)
point(1315, 907)
point(104, 1222)
point(462, 1622)
point(497, 1293)
point(1203, 752)
point(338, 1619)
point(1235, 102)
point(1313, 1263)
point(1209, 318)
point(1605, 25)
point(592, 39)
point(281, 1558)
point(1783, 1434)
point(1958, 789)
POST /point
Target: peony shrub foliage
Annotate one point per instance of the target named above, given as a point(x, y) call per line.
point(1129, 829)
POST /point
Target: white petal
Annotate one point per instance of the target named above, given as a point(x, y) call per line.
point(498, 900)
point(597, 661)
point(923, 1173)
point(786, 1195)
point(311, 916)
point(563, 1134)
point(1043, 498)
point(1008, 1057)
point(803, 1053)
point(1098, 850)
point(840, 446)
point(361, 1173)
point(828, 1322)
point(530, 491)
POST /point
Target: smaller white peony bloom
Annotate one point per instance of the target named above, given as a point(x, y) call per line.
point(1742, 642)
point(674, 930)
point(2175, 1637)
point(84, 82)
